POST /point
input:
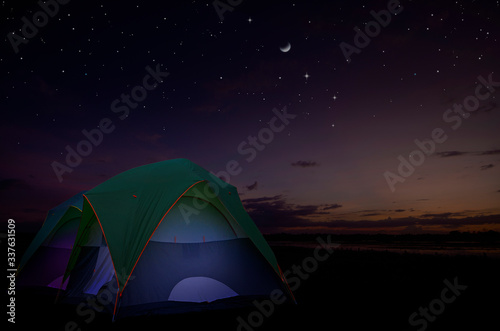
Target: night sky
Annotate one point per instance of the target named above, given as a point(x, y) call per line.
point(311, 106)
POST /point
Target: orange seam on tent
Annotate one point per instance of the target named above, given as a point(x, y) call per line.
point(104, 235)
point(155, 231)
point(288, 286)
point(116, 302)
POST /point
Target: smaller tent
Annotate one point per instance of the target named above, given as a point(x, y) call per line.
point(45, 260)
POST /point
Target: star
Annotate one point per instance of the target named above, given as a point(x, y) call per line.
point(334, 97)
point(249, 20)
point(306, 76)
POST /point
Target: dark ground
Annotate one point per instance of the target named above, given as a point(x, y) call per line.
point(351, 290)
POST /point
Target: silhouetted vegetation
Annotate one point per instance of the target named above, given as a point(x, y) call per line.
point(483, 237)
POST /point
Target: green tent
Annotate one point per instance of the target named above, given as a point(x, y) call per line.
point(180, 231)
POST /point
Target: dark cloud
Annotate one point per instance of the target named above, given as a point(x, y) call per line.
point(262, 199)
point(371, 211)
point(332, 206)
point(252, 186)
point(305, 164)
point(277, 212)
point(490, 152)
point(376, 212)
point(460, 153)
point(441, 215)
point(487, 166)
point(451, 153)
point(13, 183)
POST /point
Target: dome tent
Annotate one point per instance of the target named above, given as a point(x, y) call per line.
point(169, 237)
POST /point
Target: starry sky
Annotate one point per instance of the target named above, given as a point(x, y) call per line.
point(315, 107)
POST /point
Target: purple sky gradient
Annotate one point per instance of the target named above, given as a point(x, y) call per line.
point(324, 171)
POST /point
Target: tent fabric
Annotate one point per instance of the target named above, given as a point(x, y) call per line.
point(103, 272)
point(54, 216)
point(234, 263)
point(210, 225)
point(93, 267)
point(163, 237)
point(45, 263)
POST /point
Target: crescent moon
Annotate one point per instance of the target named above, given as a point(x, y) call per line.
point(286, 48)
